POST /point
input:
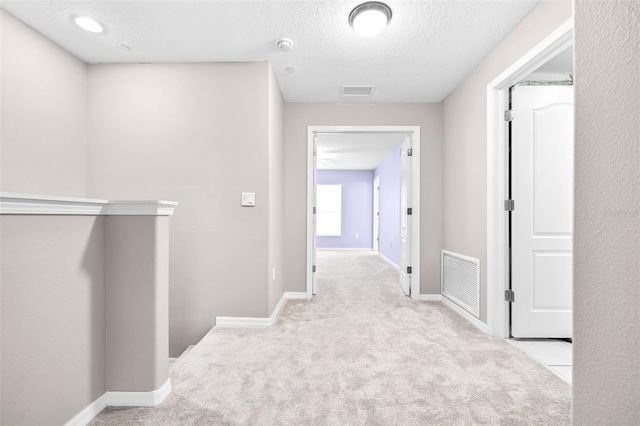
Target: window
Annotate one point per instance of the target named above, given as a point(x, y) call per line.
point(329, 210)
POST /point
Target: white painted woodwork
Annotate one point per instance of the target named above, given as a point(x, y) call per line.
point(31, 204)
point(314, 282)
point(497, 177)
point(376, 213)
point(413, 133)
point(405, 220)
point(542, 223)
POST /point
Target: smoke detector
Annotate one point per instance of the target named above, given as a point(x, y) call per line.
point(284, 45)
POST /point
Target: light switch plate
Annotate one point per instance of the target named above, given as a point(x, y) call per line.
point(248, 199)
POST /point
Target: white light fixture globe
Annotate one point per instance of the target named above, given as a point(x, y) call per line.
point(88, 24)
point(370, 19)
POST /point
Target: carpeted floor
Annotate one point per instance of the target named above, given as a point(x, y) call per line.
point(359, 353)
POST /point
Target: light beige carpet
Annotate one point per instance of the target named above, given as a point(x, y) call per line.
point(359, 353)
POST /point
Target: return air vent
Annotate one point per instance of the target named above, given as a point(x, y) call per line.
point(357, 90)
point(461, 281)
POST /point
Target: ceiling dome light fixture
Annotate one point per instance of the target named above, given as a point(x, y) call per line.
point(370, 19)
point(88, 24)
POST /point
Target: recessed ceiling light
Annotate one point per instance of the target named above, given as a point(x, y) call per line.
point(88, 24)
point(370, 19)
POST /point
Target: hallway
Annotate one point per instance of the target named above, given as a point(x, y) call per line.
point(360, 352)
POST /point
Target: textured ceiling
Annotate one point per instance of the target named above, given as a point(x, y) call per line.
point(359, 151)
point(424, 53)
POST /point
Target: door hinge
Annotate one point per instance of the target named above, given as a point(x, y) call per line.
point(314, 210)
point(509, 115)
point(509, 205)
point(409, 211)
point(313, 268)
point(408, 269)
point(509, 296)
point(410, 152)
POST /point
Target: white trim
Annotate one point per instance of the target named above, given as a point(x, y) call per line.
point(466, 315)
point(121, 399)
point(257, 322)
point(497, 232)
point(343, 249)
point(431, 298)
point(295, 295)
point(139, 399)
point(89, 413)
point(414, 132)
point(28, 204)
point(243, 322)
point(389, 261)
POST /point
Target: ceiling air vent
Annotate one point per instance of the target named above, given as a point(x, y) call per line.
point(357, 90)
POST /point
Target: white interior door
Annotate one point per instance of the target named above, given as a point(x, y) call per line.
point(314, 283)
point(542, 222)
point(405, 219)
point(376, 213)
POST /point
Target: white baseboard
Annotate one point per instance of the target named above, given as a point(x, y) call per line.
point(85, 416)
point(139, 399)
point(121, 399)
point(430, 297)
point(246, 322)
point(295, 295)
point(389, 261)
point(466, 315)
point(256, 322)
point(343, 249)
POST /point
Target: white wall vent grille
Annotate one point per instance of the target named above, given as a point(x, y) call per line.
point(460, 277)
point(357, 90)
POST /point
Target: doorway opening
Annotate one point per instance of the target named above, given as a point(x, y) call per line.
point(408, 211)
point(530, 202)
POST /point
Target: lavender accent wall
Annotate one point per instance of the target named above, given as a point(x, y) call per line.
point(389, 172)
point(357, 208)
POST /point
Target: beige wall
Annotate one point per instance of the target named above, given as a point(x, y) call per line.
point(606, 350)
point(464, 139)
point(197, 134)
point(276, 192)
point(43, 114)
point(300, 115)
point(137, 303)
point(53, 330)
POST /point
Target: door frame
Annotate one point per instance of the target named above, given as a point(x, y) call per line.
point(414, 133)
point(376, 214)
point(497, 176)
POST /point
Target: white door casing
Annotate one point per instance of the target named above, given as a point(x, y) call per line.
point(542, 222)
point(314, 283)
point(376, 213)
point(405, 219)
point(414, 135)
point(497, 182)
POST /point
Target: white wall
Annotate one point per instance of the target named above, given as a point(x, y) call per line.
point(606, 349)
point(300, 115)
point(464, 139)
point(198, 134)
point(44, 114)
